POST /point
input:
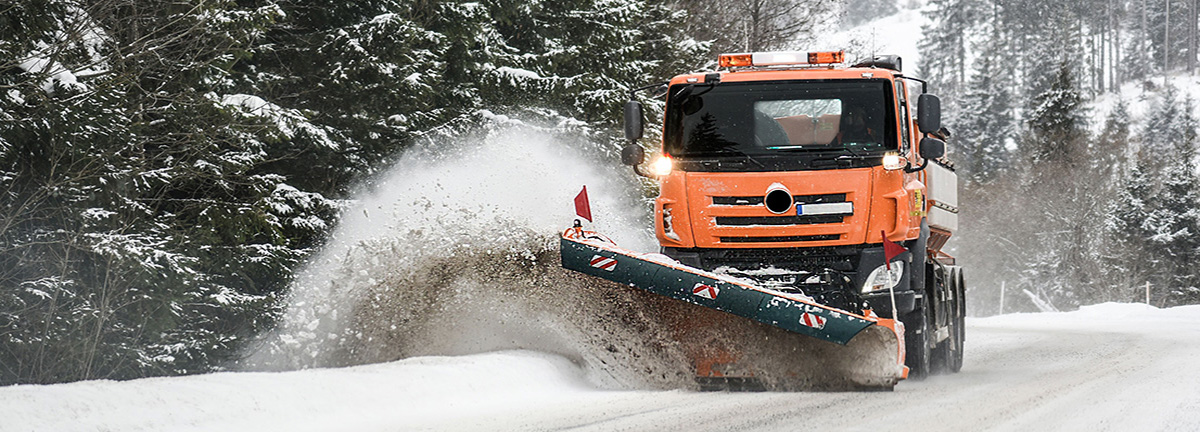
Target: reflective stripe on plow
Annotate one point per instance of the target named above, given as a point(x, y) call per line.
point(603, 263)
point(812, 320)
point(706, 291)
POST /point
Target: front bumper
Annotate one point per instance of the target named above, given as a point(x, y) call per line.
point(881, 302)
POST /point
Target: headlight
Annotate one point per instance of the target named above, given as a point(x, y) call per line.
point(882, 278)
point(892, 161)
point(662, 166)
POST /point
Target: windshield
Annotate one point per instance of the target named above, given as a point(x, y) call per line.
point(783, 120)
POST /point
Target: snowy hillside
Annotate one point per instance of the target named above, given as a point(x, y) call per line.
point(1104, 367)
point(1140, 98)
point(895, 34)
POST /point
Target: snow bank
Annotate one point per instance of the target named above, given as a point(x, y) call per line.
point(1109, 317)
point(1104, 367)
point(404, 395)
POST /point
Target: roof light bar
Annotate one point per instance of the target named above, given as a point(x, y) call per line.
point(781, 58)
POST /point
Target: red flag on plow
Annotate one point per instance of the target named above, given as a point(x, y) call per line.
point(582, 207)
point(890, 249)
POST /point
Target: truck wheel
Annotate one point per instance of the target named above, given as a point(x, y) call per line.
point(948, 350)
point(916, 342)
point(960, 321)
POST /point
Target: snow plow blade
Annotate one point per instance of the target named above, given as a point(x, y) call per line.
point(594, 255)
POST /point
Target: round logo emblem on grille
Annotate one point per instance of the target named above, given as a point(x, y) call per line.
point(778, 200)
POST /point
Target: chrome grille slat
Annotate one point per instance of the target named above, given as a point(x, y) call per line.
point(781, 239)
point(758, 200)
point(778, 220)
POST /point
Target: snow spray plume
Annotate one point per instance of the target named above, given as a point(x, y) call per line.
point(454, 251)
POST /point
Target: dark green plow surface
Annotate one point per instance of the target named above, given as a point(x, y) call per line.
point(678, 284)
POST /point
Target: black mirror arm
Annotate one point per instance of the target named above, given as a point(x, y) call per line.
point(637, 169)
point(921, 154)
point(924, 84)
point(633, 92)
point(909, 168)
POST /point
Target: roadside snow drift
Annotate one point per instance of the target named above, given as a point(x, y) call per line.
point(404, 395)
point(1106, 367)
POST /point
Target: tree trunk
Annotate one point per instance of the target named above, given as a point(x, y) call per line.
point(1167, 43)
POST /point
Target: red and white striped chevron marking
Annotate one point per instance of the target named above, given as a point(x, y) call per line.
point(603, 263)
point(702, 290)
point(812, 320)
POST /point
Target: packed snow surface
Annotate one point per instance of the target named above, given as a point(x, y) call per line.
point(1104, 367)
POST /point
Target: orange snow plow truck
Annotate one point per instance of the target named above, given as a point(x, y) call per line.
point(808, 202)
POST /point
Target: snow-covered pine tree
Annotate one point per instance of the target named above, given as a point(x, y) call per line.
point(1164, 129)
point(944, 46)
point(1172, 219)
point(1169, 33)
point(986, 125)
point(1111, 149)
point(573, 57)
point(367, 76)
point(1137, 51)
point(1057, 125)
point(1061, 207)
point(756, 25)
point(1129, 256)
point(142, 234)
point(166, 165)
point(1175, 220)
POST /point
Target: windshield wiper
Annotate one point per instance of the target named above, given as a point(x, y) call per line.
point(845, 159)
point(728, 153)
point(799, 148)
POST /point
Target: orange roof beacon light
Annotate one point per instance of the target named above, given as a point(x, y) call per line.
point(736, 60)
point(826, 57)
point(781, 58)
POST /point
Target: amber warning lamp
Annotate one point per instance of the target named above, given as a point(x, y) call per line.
point(781, 58)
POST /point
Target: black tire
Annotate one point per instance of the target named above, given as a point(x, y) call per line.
point(916, 342)
point(960, 321)
point(919, 322)
point(948, 354)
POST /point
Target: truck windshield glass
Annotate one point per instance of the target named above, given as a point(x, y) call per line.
point(780, 118)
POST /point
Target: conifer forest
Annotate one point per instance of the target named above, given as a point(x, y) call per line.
point(166, 167)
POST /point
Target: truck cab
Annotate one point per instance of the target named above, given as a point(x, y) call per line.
point(790, 170)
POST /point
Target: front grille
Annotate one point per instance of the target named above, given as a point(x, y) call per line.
point(758, 200)
point(792, 269)
point(749, 201)
point(778, 220)
point(781, 239)
point(841, 258)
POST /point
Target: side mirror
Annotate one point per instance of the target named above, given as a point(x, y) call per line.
point(932, 148)
point(632, 154)
point(930, 109)
point(633, 121)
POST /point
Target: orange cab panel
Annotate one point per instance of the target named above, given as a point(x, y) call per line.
point(728, 210)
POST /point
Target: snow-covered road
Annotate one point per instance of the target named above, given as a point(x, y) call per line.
point(1107, 367)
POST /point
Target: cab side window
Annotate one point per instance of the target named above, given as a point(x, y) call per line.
point(902, 111)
